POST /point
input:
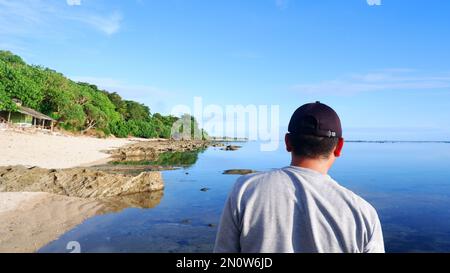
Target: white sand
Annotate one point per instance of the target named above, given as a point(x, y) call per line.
point(53, 152)
point(29, 221)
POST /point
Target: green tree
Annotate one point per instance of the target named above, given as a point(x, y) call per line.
point(5, 99)
point(119, 103)
point(120, 129)
point(137, 111)
point(9, 57)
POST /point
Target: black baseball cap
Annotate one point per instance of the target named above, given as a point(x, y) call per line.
point(316, 119)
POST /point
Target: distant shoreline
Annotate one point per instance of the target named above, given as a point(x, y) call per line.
point(380, 141)
point(398, 141)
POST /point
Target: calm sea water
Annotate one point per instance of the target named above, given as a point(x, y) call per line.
point(408, 183)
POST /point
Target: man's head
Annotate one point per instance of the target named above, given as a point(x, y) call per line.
point(315, 133)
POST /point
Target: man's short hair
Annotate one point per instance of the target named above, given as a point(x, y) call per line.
point(310, 146)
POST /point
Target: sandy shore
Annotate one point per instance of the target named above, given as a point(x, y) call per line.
point(51, 151)
point(29, 221)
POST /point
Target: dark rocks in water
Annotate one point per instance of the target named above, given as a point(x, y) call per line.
point(238, 172)
point(205, 189)
point(78, 182)
point(231, 148)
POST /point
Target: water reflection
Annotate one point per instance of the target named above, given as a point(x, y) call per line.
point(140, 200)
point(165, 161)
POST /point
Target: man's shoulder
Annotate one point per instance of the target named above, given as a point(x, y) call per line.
point(258, 180)
point(260, 177)
point(359, 202)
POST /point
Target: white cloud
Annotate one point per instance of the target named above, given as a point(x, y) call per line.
point(385, 80)
point(31, 18)
point(374, 2)
point(157, 99)
point(128, 91)
point(109, 24)
point(74, 2)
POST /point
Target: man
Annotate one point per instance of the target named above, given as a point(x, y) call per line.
point(300, 208)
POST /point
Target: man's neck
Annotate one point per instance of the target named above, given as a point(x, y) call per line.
point(319, 165)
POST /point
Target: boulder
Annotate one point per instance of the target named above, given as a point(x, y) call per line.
point(232, 148)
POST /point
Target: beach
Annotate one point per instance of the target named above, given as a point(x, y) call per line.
point(28, 221)
point(54, 151)
point(51, 183)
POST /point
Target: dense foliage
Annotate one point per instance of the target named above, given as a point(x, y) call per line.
point(77, 106)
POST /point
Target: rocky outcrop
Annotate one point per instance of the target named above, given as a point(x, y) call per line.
point(77, 182)
point(239, 171)
point(150, 150)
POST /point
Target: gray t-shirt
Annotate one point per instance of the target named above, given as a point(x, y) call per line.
point(296, 210)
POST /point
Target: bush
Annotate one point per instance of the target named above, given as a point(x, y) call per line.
point(140, 128)
point(120, 129)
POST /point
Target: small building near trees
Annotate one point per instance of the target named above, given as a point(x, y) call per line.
point(27, 117)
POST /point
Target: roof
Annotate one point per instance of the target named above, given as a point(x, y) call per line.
point(33, 113)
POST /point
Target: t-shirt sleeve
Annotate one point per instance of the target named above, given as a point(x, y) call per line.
point(228, 234)
point(376, 241)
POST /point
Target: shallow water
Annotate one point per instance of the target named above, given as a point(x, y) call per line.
point(408, 183)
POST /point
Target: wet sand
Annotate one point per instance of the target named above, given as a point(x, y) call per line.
point(28, 221)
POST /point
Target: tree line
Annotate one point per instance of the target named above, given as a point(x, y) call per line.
point(78, 106)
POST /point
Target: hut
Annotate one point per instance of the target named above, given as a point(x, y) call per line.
point(27, 117)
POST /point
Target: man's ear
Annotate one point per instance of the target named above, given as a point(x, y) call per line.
point(339, 146)
point(287, 140)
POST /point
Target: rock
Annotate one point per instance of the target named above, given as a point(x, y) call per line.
point(217, 144)
point(113, 168)
point(150, 150)
point(239, 171)
point(78, 182)
point(231, 148)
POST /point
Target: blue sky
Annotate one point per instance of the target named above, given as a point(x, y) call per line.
point(384, 67)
